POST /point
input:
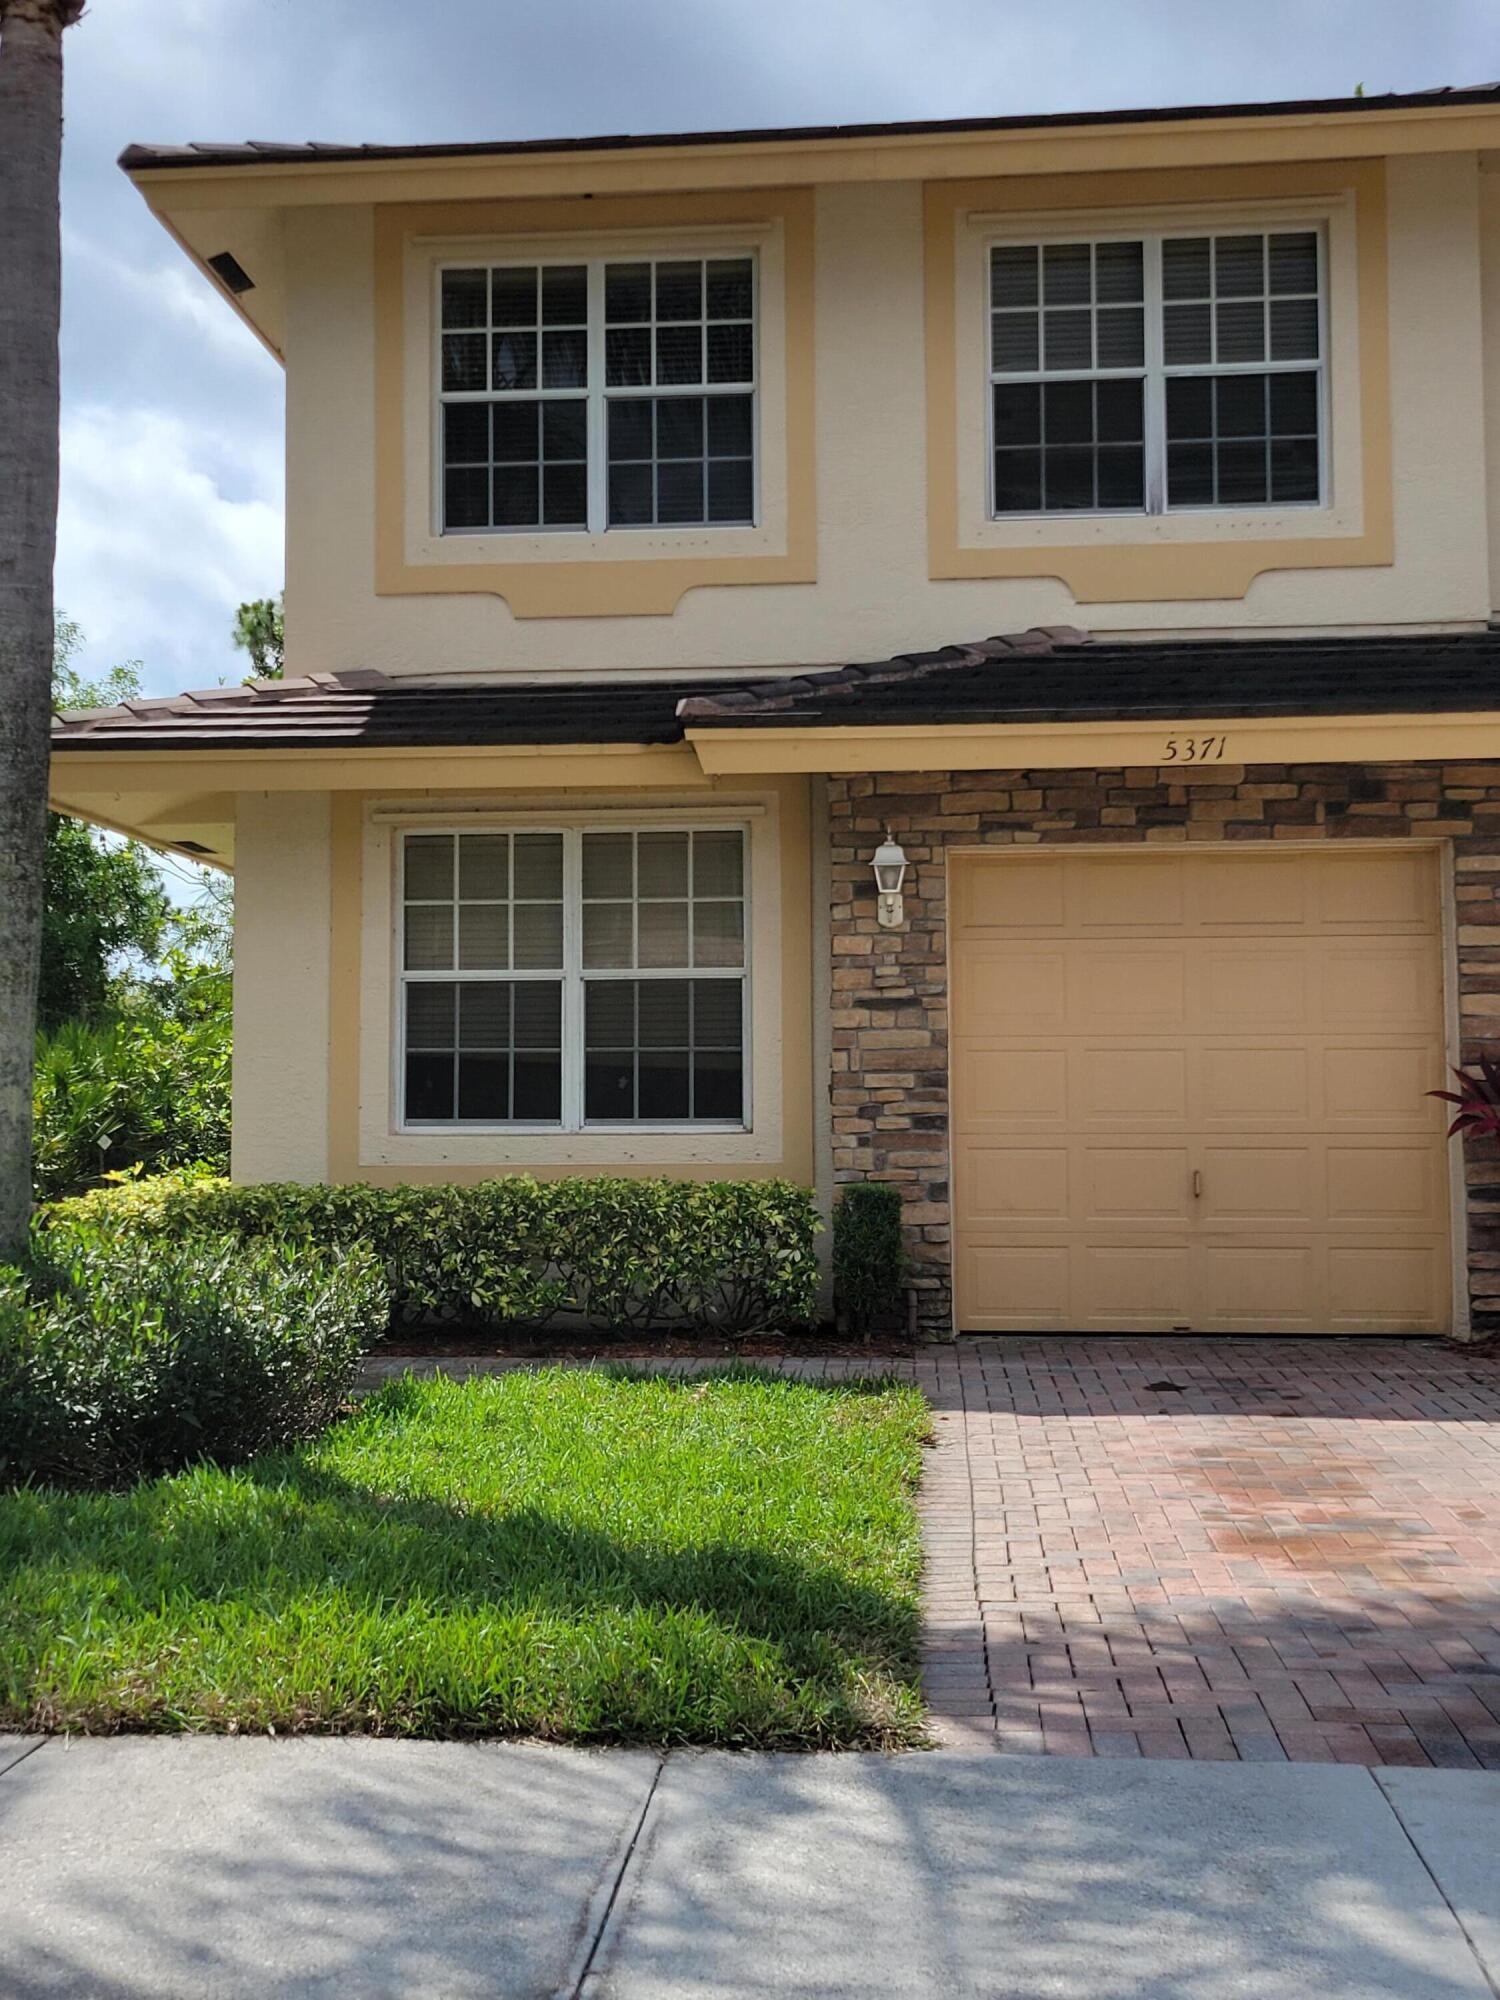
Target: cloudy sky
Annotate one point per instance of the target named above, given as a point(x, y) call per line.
point(172, 414)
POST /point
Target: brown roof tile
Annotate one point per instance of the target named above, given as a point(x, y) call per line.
point(1047, 674)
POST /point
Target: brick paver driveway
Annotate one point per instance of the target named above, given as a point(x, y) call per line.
point(1216, 1548)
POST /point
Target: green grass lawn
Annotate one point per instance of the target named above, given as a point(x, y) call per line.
point(566, 1553)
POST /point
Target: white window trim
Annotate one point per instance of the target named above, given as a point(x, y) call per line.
point(978, 531)
point(422, 543)
point(573, 976)
point(598, 394)
point(1155, 372)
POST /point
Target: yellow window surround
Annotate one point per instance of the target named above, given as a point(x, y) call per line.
point(363, 1138)
point(584, 582)
point(1131, 559)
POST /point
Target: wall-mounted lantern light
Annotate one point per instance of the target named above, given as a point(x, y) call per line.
point(889, 865)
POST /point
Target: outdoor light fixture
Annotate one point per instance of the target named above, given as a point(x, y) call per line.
point(889, 865)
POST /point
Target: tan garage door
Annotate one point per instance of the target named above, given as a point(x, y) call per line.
point(1188, 1092)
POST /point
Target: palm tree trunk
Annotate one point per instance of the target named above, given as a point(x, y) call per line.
point(30, 294)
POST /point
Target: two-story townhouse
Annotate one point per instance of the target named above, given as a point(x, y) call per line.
point(638, 490)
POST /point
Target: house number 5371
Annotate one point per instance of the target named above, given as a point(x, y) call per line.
point(1194, 749)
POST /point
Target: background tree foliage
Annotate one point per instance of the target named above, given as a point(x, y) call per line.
point(133, 1054)
point(103, 900)
point(259, 630)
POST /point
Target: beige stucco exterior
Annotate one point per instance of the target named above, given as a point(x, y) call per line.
point(875, 592)
point(871, 541)
point(314, 996)
point(283, 911)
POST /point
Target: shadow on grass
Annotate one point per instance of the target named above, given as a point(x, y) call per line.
point(290, 1594)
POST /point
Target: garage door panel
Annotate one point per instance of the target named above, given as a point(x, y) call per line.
point(1384, 1183)
point(1143, 1086)
point(1015, 1184)
point(1259, 1185)
point(1004, 1085)
point(1149, 1184)
point(1387, 986)
point(1000, 991)
point(1144, 1286)
point(1120, 991)
point(1269, 1022)
point(1268, 990)
point(1372, 1083)
point(1240, 1082)
point(1387, 1288)
point(1261, 1286)
point(1395, 894)
point(1018, 1287)
point(1263, 893)
point(1029, 895)
point(1136, 894)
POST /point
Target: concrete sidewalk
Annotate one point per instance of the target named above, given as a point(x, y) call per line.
point(199, 1867)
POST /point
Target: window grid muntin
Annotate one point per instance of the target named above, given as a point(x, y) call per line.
point(538, 392)
point(573, 977)
point(597, 393)
point(638, 1048)
point(1155, 372)
point(1316, 366)
point(655, 390)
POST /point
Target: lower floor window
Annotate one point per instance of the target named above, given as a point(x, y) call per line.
point(488, 1051)
point(664, 1048)
point(573, 977)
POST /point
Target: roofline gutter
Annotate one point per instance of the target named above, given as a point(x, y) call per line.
point(581, 169)
point(139, 160)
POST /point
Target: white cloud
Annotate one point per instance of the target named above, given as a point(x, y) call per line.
point(155, 550)
point(172, 291)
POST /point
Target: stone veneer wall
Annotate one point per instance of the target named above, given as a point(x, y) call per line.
point(890, 988)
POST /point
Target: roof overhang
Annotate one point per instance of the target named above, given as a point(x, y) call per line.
point(216, 198)
point(183, 801)
point(168, 769)
point(1191, 745)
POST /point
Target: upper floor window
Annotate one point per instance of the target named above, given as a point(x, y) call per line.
point(1157, 371)
point(605, 394)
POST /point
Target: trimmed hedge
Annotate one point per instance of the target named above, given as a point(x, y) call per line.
point(123, 1357)
point(869, 1258)
point(696, 1256)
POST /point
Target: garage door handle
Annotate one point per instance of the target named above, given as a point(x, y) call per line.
point(1197, 1184)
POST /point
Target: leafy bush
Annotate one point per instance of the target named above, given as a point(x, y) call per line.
point(122, 1357)
point(149, 1091)
point(1478, 1101)
point(722, 1256)
point(869, 1258)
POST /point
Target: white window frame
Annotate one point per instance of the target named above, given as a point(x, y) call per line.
point(1155, 372)
point(596, 395)
point(573, 977)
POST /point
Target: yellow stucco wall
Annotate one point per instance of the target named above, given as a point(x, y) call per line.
point(315, 984)
point(282, 910)
point(874, 592)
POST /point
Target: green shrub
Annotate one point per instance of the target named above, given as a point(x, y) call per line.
point(122, 1357)
point(723, 1256)
point(145, 1090)
point(869, 1258)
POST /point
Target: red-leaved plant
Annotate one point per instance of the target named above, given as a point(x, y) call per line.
point(1478, 1100)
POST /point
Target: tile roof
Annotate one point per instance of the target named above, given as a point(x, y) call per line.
point(272, 152)
point(1061, 675)
point(1054, 674)
point(366, 711)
